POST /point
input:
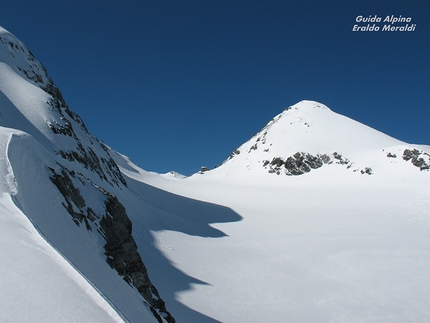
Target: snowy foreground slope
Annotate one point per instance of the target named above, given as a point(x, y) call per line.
point(317, 218)
point(68, 253)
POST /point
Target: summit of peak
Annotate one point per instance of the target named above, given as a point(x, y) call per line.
point(308, 104)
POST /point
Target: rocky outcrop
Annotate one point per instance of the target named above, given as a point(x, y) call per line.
point(74, 201)
point(115, 227)
point(301, 163)
point(106, 168)
point(418, 158)
point(83, 169)
point(66, 123)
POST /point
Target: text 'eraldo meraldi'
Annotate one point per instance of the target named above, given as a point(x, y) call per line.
point(390, 23)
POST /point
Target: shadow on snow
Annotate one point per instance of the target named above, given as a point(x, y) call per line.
point(158, 211)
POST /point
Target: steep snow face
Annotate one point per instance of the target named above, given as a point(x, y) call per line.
point(37, 283)
point(308, 136)
point(66, 182)
point(32, 103)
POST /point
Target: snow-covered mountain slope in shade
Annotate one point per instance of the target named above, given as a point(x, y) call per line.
point(37, 283)
point(328, 245)
point(66, 183)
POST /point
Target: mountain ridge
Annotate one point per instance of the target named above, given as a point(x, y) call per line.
point(74, 167)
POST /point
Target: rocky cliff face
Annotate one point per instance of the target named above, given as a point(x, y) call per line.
point(115, 227)
point(81, 167)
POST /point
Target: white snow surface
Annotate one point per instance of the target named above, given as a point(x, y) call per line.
point(37, 284)
point(51, 270)
point(332, 245)
point(234, 244)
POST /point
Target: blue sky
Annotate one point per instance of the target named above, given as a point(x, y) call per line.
point(176, 85)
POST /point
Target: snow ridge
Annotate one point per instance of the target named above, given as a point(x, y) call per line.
point(54, 157)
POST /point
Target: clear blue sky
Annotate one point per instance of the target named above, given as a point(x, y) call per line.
point(176, 85)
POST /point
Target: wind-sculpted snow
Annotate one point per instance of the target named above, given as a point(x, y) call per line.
point(37, 283)
point(63, 175)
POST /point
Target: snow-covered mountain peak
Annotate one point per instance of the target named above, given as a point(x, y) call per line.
point(300, 112)
point(309, 135)
point(308, 105)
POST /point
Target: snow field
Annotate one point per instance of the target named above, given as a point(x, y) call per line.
point(313, 255)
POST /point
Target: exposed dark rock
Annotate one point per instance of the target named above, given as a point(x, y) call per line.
point(122, 255)
point(325, 158)
point(277, 162)
point(390, 155)
point(297, 164)
point(367, 170)
point(107, 169)
point(254, 147)
point(116, 228)
point(204, 169)
point(234, 153)
point(339, 159)
point(417, 158)
point(301, 163)
point(74, 200)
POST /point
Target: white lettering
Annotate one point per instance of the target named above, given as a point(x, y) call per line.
point(368, 27)
point(406, 27)
point(371, 18)
point(393, 19)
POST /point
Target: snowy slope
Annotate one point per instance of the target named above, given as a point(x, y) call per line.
point(37, 283)
point(64, 181)
point(329, 245)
